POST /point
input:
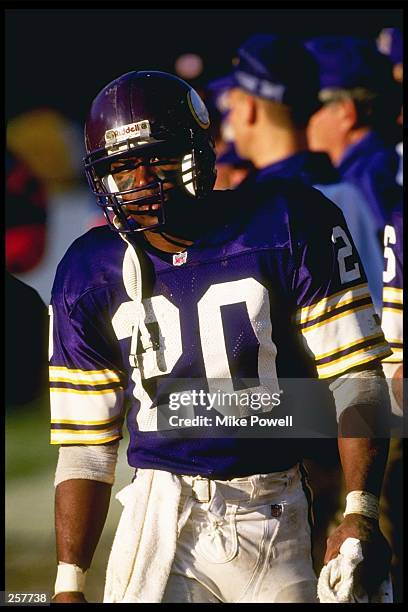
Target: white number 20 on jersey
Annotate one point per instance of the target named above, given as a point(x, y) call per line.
point(160, 310)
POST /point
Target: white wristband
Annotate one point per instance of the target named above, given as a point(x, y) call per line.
point(70, 577)
point(362, 502)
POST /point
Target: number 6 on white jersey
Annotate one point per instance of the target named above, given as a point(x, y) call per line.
point(389, 238)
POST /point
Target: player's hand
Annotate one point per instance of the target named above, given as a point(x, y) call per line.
point(69, 597)
point(376, 551)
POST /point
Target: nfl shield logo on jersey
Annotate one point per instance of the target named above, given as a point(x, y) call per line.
point(179, 258)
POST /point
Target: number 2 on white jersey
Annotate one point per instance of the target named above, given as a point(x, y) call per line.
point(346, 276)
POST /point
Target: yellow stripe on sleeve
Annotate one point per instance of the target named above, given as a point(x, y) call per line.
point(396, 357)
point(349, 345)
point(392, 294)
point(390, 309)
point(74, 422)
point(82, 432)
point(331, 302)
point(336, 317)
point(84, 392)
point(76, 371)
point(351, 355)
point(90, 383)
point(376, 353)
point(82, 377)
point(55, 440)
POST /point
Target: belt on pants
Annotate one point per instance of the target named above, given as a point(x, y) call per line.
point(201, 489)
point(197, 487)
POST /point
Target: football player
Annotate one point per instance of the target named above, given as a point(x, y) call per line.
point(392, 324)
point(284, 113)
point(275, 140)
point(230, 167)
point(392, 313)
point(360, 104)
point(190, 290)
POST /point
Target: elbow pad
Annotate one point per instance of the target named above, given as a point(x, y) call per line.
point(363, 387)
point(90, 462)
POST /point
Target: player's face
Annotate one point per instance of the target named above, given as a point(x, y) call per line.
point(137, 172)
point(325, 128)
point(237, 119)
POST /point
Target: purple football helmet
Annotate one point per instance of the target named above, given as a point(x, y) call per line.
point(147, 115)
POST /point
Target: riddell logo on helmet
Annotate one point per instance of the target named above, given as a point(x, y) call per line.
point(141, 129)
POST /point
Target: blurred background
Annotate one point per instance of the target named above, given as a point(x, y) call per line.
point(56, 61)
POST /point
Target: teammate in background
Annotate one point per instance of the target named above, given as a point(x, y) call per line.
point(284, 143)
point(392, 315)
point(195, 284)
point(392, 324)
point(360, 103)
point(389, 42)
point(231, 168)
point(357, 127)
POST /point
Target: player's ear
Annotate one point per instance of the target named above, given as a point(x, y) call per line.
point(346, 114)
point(252, 110)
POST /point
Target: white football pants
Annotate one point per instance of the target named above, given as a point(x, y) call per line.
point(246, 540)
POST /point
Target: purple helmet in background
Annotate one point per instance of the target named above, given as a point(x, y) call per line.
point(147, 114)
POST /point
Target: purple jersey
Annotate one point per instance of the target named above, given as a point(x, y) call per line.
point(372, 165)
point(276, 291)
point(316, 169)
point(392, 313)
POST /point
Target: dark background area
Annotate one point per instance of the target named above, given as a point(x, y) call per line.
point(62, 57)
